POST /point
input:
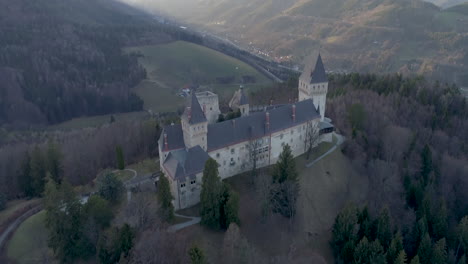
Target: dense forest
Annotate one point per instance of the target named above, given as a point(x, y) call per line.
point(64, 59)
point(409, 137)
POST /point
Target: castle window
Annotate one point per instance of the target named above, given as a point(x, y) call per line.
point(217, 155)
point(182, 185)
point(232, 163)
point(193, 182)
point(211, 108)
point(281, 136)
point(233, 151)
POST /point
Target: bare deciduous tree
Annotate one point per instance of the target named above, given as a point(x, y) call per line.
point(312, 137)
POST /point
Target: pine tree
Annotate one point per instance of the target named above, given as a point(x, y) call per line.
point(285, 167)
point(426, 165)
point(425, 249)
point(54, 162)
point(120, 158)
point(110, 188)
point(230, 208)
point(25, 178)
point(210, 195)
point(344, 233)
point(415, 260)
point(196, 255)
point(38, 171)
point(462, 260)
point(64, 221)
point(384, 228)
point(365, 223)
point(166, 210)
point(439, 224)
point(439, 252)
point(462, 230)
point(285, 189)
point(396, 246)
point(401, 258)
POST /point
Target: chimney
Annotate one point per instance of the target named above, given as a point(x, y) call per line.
point(294, 112)
point(189, 113)
point(166, 145)
point(267, 121)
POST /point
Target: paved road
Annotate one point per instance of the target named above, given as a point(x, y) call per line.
point(340, 140)
point(12, 227)
point(177, 227)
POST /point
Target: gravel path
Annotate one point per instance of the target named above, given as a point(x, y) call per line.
point(338, 142)
point(177, 227)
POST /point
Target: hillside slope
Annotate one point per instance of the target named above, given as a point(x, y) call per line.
point(61, 59)
point(412, 37)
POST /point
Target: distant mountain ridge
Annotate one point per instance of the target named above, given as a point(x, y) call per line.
point(447, 3)
point(411, 37)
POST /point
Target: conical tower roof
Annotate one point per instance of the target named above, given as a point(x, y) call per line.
point(314, 74)
point(196, 114)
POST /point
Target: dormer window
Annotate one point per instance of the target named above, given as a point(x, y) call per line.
point(233, 151)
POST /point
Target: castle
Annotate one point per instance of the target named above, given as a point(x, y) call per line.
point(255, 139)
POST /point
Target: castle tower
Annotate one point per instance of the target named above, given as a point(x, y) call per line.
point(313, 84)
point(195, 125)
point(240, 101)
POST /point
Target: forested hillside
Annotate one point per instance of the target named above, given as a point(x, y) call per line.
point(411, 37)
point(61, 59)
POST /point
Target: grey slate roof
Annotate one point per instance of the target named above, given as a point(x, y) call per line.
point(197, 114)
point(244, 128)
point(254, 126)
point(186, 162)
point(175, 137)
point(315, 74)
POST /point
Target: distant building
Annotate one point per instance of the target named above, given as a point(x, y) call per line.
point(235, 144)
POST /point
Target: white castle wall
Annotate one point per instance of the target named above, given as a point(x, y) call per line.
point(210, 103)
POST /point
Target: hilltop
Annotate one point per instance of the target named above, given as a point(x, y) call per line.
point(412, 37)
point(61, 59)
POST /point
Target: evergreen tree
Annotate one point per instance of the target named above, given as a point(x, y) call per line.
point(395, 248)
point(25, 178)
point(415, 260)
point(383, 227)
point(285, 189)
point(285, 167)
point(110, 188)
point(462, 231)
point(425, 250)
point(98, 210)
point(229, 207)
point(367, 252)
point(166, 210)
point(439, 224)
point(439, 252)
point(196, 255)
point(120, 158)
point(210, 195)
point(401, 258)
point(64, 221)
point(115, 243)
point(38, 171)
point(462, 260)
point(365, 223)
point(3, 201)
point(54, 163)
point(344, 233)
point(426, 165)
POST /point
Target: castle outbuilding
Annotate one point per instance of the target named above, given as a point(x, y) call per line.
point(254, 139)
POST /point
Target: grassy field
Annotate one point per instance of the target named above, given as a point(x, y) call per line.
point(325, 188)
point(176, 65)
point(95, 121)
point(145, 167)
point(15, 206)
point(29, 242)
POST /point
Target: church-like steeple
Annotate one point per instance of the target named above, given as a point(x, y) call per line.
point(194, 112)
point(318, 74)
